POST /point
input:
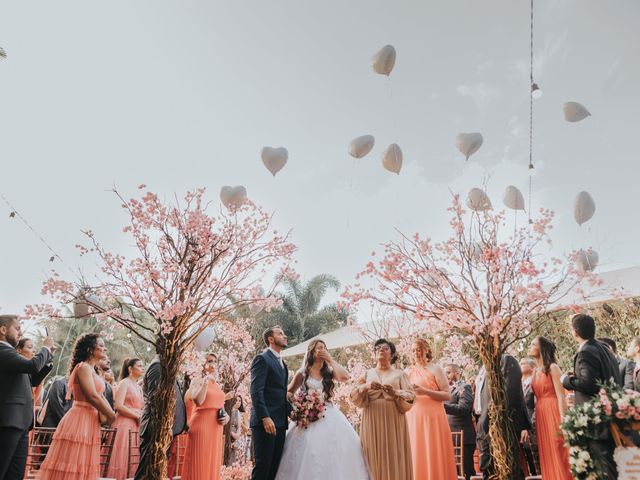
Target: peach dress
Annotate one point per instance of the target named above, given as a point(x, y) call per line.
point(383, 430)
point(205, 442)
point(75, 449)
point(554, 456)
point(431, 441)
point(134, 399)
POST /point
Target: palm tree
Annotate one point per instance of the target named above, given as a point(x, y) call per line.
point(300, 314)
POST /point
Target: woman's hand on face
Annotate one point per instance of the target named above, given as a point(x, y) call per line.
point(324, 355)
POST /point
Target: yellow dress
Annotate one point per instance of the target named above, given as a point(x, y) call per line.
point(383, 432)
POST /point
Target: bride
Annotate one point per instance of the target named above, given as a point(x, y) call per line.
point(328, 448)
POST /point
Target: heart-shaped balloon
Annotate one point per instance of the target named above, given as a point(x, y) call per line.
point(274, 158)
point(392, 159)
point(204, 340)
point(587, 260)
point(469, 143)
point(513, 198)
point(361, 146)
point(478, 201)
point(384, 60)
point(233, 197)
point(574, 112)
point(584, 207)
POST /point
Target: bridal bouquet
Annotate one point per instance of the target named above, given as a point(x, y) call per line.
point(308, 407)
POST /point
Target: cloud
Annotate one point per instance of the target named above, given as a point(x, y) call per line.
point(480, 93)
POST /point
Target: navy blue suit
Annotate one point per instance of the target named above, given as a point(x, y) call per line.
point(269, 399)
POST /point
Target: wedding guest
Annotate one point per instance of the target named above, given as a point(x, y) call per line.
point(55, 403)
point(627, 367)
point(205, 444)
point(515, 410)
point(237, 431)
point(633, 352)
point(550, 406)
point(530, 443)
point(17, 377)
point(385, 395)
point(150, 386)
point(431, 444)
point(458, 411)
point(103, 368)
point(74, 453)
point(27, 349)
point(129, 401)
point(594, 363)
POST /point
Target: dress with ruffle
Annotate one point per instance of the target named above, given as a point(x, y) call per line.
point(75, 448)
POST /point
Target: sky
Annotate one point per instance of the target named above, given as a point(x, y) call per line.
point(180, 95)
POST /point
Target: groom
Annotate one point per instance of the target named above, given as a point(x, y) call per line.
point(269, 376)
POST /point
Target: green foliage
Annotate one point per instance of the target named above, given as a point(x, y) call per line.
point(619, 320)
point(300, 314)
point(120, 343)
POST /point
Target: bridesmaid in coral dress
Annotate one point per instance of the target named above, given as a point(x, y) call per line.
point(205, 444)
point(550, 408)
point(75, 449)
point(431, 441)
point(129, 401)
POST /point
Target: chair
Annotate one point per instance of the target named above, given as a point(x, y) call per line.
point(457, 438)
point(134, 453)
point(181, 449)
point(107, 436)
point(39, 443)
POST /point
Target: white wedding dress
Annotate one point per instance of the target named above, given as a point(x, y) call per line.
point(328, 449)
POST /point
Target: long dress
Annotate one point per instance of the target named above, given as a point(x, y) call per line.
point(383, 432)
point(328, 448)
point(134, 399)
point(74, 453)
point(431, 441)
point(205, 443)
point(554, 456)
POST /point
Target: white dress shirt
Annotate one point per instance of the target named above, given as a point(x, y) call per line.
point(277, 354)
point(477, 402)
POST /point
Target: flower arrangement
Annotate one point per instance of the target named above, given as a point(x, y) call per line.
point(236, 471)
point(308, 407)
point(585, 423)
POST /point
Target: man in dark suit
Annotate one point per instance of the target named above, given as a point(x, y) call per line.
point(147, 426)
point(530, 445)
point(633, 352)
point(270, 409)
point(516, 411)
point(17, 376)
point(103, 367)
point(626, 366)
point(56, 402)
point(459, 410)
point(593, 364)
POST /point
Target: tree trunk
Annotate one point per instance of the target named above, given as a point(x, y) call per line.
point(162, 412)
point(502, 435)
point(228, 407)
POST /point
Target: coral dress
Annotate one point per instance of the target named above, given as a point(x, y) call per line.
point(554, 457)
point(75, 449)
point(134, 399)
point(205, 442)
point(431, 441)
point(383, 432)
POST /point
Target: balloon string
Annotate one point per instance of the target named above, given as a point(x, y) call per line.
point(530, 111)
point(16, 213)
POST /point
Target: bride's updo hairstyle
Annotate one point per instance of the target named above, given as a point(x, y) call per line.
point(328, 385)
point(426, 348)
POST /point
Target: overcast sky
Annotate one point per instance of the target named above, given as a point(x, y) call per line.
point(184, 94)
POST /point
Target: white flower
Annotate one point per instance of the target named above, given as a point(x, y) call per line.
point(585, 455)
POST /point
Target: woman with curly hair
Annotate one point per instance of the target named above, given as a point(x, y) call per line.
point(550, 407)
point(75, 449)
point(431, 442)
point(330, 437)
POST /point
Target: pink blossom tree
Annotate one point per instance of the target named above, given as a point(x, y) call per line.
point(489, 282)
point(190, 271)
